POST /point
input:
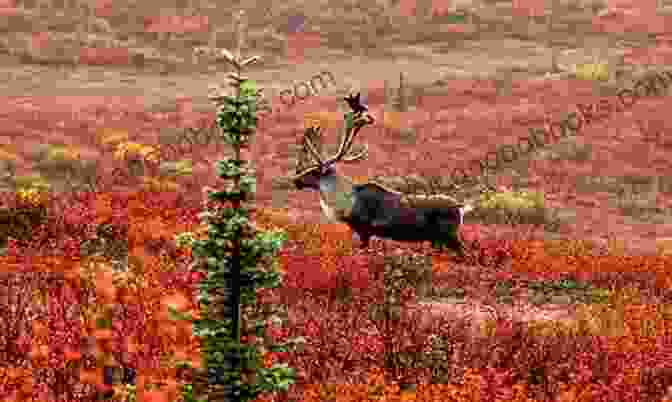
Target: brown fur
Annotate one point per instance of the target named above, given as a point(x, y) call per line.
point(419, 200)
point(343, 208)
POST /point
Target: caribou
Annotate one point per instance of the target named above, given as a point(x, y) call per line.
point(372, 208)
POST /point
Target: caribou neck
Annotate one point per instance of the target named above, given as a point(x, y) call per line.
point(336, 196)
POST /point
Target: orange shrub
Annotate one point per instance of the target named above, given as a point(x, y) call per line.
point(377, 389)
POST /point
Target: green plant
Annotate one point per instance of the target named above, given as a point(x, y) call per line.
point(237, 259)
point(455, 18)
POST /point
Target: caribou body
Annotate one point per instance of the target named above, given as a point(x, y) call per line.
point(373, 209)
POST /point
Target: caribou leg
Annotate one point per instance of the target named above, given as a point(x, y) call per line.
point(365, 241)
point(457, 246)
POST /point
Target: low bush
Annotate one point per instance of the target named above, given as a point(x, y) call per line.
point(344, 306)
point(512, 207)
point(117, 56)
point(592, 71)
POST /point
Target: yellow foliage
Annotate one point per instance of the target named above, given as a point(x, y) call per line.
point(184, 167)
point(130, 149)
point(63, 153)
point(359, 179)
point(31, 181)
point(592, 71)
point(7, 155)
point(272, 219)
point(572, 247)
point(616, 246)
point(148, 153)
point(323, 119)
point(126, 148)
point(153, 184)
point(664, 246)
point(33, 196)
point(112, 136)
point(513, 200)
point(393, 119)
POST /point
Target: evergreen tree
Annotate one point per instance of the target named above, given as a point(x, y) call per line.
point(237, 259)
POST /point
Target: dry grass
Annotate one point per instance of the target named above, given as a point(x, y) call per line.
point(371, 27)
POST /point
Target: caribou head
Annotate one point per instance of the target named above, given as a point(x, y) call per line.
point(320, 174)
point(322, 169)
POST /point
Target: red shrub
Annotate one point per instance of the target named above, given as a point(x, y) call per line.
point(297, 43)
point(104, 56)
point(528, 8)
point(39, 40)
point(650, 55)
point(104, 8)
point(630, 20)
point(177, 23)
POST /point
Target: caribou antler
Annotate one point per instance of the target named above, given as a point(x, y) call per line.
point(308, 143)
point(360, 119)
point(355, 104)
point(346, 143)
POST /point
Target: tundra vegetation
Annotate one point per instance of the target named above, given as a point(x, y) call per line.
point(91, 267)
point(539, 138)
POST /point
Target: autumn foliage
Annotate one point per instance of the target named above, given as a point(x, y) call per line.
point(335, 295)
point(614, 351)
